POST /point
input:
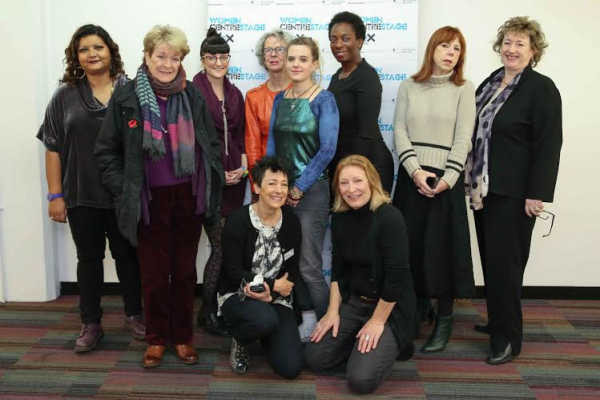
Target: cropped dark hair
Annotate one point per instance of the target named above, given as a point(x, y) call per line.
point(116, 65)
point(214, 43)
point(272, 164)
point(352, 19)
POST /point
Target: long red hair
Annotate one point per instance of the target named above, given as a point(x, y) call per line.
point(445, 34)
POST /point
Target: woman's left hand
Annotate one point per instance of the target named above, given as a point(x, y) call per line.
point(533, 208)
point(291, 201)
point(369, 335)
point(441, 186)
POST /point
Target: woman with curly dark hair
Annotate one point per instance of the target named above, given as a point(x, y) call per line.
point(73, 119)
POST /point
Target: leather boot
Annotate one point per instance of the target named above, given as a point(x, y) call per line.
point(239, 359)
point(89, 337)
point(440, 335)
point(212, 323)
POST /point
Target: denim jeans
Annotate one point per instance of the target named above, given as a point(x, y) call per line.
point(90, 227)
point(313, 212)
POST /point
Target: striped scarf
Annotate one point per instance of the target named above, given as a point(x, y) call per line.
point(180, 124)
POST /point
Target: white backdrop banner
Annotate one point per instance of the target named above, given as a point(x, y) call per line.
point(390, 45)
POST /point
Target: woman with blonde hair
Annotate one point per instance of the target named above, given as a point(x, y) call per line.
point(433, 124)
point(303, 130)
point(511, 171)
point(160, 157)
point(370, 321)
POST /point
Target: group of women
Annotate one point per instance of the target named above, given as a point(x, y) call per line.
point(147, 163)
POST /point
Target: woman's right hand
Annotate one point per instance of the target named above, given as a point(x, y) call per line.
point(330, 320)
point(264, 296)
point(283, 286)
point(420, 180)
point(57, 210)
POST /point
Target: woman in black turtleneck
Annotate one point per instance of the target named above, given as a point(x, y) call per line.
point(370, 320)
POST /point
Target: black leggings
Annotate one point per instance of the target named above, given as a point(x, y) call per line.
point(274, 325)
point(212, 268)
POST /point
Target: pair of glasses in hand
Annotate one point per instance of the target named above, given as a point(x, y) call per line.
point(545, 215)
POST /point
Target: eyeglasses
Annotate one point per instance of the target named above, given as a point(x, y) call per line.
point(546, 217)
point(213, 59)
point(279, 50)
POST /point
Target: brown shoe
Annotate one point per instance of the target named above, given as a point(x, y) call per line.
point(136, 325)
point(186, 353)
point(153, 356)
point(89, 337)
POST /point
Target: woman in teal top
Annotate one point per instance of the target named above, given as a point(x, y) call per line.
point(304, 130)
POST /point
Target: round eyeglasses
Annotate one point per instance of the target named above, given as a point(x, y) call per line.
point(278, 50)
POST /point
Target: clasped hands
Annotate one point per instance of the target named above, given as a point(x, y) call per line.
point(282, 286)
point(420, 180)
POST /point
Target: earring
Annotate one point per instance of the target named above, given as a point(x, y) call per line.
point(75, 72)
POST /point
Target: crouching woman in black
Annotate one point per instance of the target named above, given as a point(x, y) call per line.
point(372, 305)
point(263, 239)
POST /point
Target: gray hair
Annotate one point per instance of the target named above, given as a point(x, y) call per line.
point(277, 33)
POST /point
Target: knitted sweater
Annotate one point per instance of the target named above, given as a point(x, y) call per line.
point(433, 125)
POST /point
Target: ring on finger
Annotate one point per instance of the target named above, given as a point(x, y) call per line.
point(367, 337)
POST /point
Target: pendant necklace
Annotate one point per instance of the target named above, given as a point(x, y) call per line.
point(294, 98)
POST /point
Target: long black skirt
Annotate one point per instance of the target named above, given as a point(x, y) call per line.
point(438, 234)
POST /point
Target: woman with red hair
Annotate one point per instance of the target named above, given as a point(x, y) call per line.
point(433, 124)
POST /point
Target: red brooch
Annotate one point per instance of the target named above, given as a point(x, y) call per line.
point(133, 123)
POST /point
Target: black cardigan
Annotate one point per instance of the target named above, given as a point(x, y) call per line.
point(391, 276)
point(526, 139)
point(239, 238)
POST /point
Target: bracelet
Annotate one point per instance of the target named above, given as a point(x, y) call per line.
point(295, 195)
point(246, 172)
point(414, 173)
point(53, 196)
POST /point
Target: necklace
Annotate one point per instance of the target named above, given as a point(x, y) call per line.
point(294, 98)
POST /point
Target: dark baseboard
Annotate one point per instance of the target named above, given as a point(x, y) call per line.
point(529, 292)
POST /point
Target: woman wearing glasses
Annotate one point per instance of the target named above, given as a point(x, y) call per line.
point(226, 106)
point(270, 51)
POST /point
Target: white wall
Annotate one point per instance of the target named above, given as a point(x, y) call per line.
point(36, 255)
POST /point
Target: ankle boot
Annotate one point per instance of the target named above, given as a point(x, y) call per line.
point(440, 335)
point(239, 359)
point(212, 323)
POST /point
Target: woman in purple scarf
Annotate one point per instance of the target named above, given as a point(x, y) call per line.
point(226, 106)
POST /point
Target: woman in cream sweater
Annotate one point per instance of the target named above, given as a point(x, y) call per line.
point(433, 124)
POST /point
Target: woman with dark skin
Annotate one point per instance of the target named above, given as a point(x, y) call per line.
point(357, 92)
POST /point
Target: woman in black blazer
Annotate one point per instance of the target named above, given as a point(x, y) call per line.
point(261, 248)
point(511, 171)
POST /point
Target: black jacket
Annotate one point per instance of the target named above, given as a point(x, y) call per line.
point(526, 139)
point(238, 241)
point(120, 155)
point(390, 274)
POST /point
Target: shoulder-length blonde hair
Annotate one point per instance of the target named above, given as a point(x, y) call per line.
point(445, 34)
point(378, 195)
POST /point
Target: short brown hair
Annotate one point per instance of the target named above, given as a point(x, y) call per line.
point(445, 34)
point(378, 195)
point(313, 45)
point(528, 27)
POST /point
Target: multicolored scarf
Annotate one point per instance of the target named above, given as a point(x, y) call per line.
point(180, 123)
point(477, 179)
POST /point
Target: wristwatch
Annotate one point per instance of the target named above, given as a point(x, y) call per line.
point(53, 196)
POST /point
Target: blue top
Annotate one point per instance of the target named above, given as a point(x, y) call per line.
point(310, 136)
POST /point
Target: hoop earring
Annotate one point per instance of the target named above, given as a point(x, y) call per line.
point(75, 72)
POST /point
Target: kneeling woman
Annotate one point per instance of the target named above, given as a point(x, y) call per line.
point(263, 239)
point(372, 305)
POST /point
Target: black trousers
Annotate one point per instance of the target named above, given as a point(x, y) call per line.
point(504, 237)
point(274, 325)
point(364, 372)
point(90, 227)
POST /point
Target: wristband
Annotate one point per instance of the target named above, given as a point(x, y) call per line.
point(53, 196)
point(246, 172)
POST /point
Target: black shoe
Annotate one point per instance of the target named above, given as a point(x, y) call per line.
point(500, 357)
point(426, 309)
point(481, 328)
point(440, 335)
point(212, 324)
